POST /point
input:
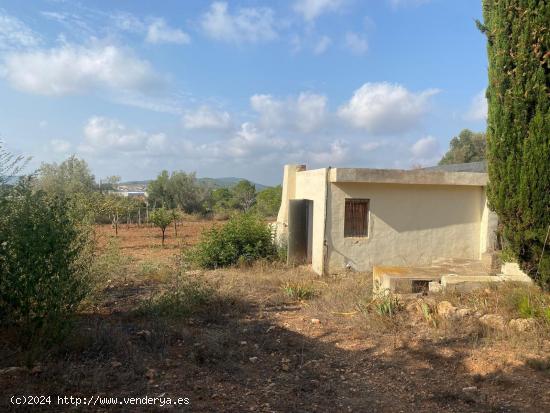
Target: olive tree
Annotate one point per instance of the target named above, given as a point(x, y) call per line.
point(161, 217)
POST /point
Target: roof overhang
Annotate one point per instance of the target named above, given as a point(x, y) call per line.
point(407, 177)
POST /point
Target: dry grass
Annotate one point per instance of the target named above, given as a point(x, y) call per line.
point(237, 338)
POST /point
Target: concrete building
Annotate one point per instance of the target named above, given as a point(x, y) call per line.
point(358, 218)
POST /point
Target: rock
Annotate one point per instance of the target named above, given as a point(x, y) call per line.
point(144, 333)
point(472, 394)
point(253, 359)
point(150, 374)
point(446, 310)
point(243, 343)
point(435, 287)
point(522, 324)
point(412, 307)
point(115, 364)
point(12, 370)
point(37, 369)
point(494, 321)
point(315, 321)
point(462, 312)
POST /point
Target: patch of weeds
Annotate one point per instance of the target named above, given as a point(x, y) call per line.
point(181, 301)
point(539, 364)
point(528, 303)
point(299, 290)
point(525, 307)
point(388, 305)
point(110, 263)
point(428, 314)
point(154, 270)
point(383, 305)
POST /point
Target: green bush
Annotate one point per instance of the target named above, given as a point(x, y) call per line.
point(243, 239)
point(45, 260)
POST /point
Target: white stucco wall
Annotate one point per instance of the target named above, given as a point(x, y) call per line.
point(409, 224)
point(312, 185)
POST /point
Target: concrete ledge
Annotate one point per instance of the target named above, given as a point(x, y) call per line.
point(402, 280)
point(398, 176)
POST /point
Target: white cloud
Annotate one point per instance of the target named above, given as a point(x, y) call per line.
point(312, 9)
point(338, 152)
point(426, 147)
point(159, 32)
point(72, 69)
point(104, 134)
point(249, 143)
point(385, 108)
point(206, 118)
point(322, 45)
point(305, 113)
point(15, 34)
point(128, 22)
point(478, 107)
point(356, 43)
point(247, 25)
point(60, 146)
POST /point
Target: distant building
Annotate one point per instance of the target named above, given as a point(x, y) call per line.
point(129, 194)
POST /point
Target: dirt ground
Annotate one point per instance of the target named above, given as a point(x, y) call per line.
point(253, 348)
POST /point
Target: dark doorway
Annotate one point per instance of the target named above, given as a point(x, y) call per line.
point(300, 227)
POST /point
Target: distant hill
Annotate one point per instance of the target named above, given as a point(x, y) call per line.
point(226, 182)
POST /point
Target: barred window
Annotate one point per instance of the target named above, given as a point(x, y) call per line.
point(356, 222)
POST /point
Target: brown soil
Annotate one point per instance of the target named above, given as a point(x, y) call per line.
point(254, 349)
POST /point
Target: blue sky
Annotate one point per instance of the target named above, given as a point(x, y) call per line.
point(239, 88)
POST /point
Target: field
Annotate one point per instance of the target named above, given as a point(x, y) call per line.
point(268, 338)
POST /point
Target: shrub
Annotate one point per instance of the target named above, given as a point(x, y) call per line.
point(243, 239)
point(180, 301)
point(45, 260)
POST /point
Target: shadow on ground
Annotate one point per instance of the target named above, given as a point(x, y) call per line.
point(233, 356)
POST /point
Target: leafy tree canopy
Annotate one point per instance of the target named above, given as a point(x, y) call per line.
point(69, 177)
point(467, 147)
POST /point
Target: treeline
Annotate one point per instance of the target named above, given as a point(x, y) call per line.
point(180, 192)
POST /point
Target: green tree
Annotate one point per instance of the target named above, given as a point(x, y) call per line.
point(220, 199)
point(184, 191)
point(268, 201)
point(518, 127)
point(69, 177)
point(10, 165)
point(161, 217)
point(467, 147)
point(159, 191)
point(244, 195)
point(45, 260)
point(109, 183)
point(176, 190)
point(115, 207)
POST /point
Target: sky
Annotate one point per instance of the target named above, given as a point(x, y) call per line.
point(239, 88)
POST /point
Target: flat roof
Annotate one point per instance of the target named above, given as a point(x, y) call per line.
point(412, 177)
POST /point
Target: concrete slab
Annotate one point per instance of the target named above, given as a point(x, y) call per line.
point(450, 274)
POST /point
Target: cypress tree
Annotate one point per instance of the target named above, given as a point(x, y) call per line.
point(518, 127)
